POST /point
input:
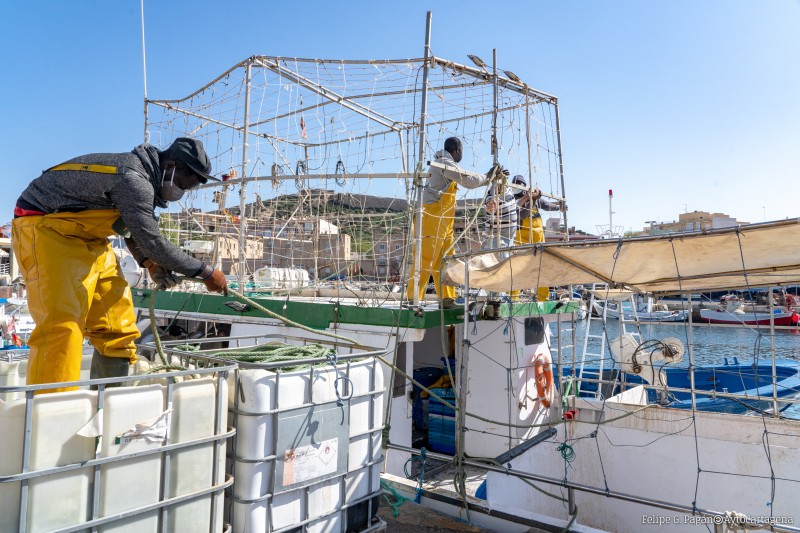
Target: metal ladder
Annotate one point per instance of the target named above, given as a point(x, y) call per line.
point(589, 336)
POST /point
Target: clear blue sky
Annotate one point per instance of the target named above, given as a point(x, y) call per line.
point(675, 105)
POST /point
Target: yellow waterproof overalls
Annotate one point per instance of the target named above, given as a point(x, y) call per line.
point(531, 231)
point(437, 236)
point(75, 288)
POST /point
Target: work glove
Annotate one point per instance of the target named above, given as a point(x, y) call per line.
point(163, 278)
point(497, 172)
point(216, 282)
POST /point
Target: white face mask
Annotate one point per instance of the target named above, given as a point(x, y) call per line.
point(169, 191)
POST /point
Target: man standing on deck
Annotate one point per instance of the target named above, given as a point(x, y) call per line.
point(531, 229)
point(438, 216)
point(75, 288)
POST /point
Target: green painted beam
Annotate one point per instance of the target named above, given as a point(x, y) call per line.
point(324, 314)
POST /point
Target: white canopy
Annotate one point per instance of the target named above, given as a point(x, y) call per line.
point(756, 255)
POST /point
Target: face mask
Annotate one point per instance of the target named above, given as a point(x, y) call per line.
point(169, 191)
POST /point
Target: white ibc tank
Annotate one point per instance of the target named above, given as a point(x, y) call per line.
point(58, 500)
point(194, 404)
point(58, 422)
point(317, 493)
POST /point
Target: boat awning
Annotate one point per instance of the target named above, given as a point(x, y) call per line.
point(756, 255)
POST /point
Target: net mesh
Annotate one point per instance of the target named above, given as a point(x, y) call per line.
point(329, 154)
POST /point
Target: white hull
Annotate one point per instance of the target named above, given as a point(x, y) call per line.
point(661, 448)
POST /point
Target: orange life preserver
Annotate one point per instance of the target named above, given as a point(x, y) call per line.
point(543, 375)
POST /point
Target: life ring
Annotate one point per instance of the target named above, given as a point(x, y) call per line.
point(543, 376)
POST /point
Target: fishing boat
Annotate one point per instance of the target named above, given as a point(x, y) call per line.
point(732, 311)
point(579, 443)
point(525, 435)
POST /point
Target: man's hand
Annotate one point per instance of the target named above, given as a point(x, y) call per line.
point(217, 282)
point(536, 194)
point(163, 278)
point(497, 172)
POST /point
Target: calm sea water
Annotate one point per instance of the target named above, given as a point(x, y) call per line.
point(712, 344)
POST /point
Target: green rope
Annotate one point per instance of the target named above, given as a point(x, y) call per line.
point(567, 453)
point(187, 347)
point(280, 352)
point(399, 498)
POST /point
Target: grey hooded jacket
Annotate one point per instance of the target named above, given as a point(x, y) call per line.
point(132, 190)
point(441, 178)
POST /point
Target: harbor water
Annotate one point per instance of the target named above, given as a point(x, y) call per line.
point(711, 344)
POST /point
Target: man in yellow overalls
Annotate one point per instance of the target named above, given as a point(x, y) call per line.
point(438, 216)
point(531, 229)
point(75, 287)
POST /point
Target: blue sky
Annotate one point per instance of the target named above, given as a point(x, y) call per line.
point(676, 106)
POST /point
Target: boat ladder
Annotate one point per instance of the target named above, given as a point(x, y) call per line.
point(592, 340)
point(565, 350)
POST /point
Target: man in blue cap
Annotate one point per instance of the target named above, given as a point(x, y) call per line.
point(75, 288)
point(531, 229)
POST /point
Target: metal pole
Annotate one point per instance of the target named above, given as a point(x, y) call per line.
point(497, 194)
point(771, 302)
point(463, 381)
point(528, 135)
point(144, 73)
point(494, 109)
point(243, 189)
point(561, 171)
point(690, 339)
point(415, 281)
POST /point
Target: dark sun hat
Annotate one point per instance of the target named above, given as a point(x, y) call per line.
point(191, 152)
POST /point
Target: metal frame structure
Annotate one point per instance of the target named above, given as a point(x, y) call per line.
point(383, 124)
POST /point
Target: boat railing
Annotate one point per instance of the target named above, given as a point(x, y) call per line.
point(623, 386)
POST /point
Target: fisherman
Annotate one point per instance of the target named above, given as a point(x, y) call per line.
point(530, 229)
point(438, 215)
point(500, 218)
point(75, 287)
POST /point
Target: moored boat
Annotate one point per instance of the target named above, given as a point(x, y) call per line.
point(733, 312)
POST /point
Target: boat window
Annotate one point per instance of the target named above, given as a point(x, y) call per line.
point(534, 331)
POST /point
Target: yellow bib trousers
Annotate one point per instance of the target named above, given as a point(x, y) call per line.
point(437, 236)
point(531, 231)
point(75, 290)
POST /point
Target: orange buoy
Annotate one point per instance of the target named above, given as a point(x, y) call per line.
point(543, 375)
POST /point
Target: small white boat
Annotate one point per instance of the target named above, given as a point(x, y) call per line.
point(645, 311)
point(15, 321)
point(731, 311)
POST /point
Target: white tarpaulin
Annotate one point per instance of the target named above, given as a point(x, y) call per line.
point(757, 255)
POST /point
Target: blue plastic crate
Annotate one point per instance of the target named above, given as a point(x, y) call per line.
point(426, 376)
point(442, 433)
point(435, 407)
